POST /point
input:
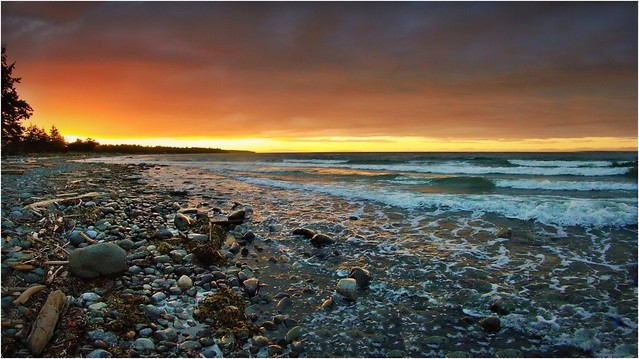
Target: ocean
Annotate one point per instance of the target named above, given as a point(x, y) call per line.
point(427, 226)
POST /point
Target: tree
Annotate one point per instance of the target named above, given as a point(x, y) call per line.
point(35, 139)
point(14, 109)
point(56, 140)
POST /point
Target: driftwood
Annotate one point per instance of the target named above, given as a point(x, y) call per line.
point(24, 297)
point(55, 263)
point(228, 222)
point(63, 199)
point(44, 326)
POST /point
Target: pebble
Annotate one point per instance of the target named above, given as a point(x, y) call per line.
point(348, 288)
point(490, 324)
point(320, 240)
point(305, 232)
point(182, 222)
point(184, 282)
point(125, 244)
point(99, 353)
point(90, 297)
point(237, 215)
point(251, 286)
point(361, 276)
point(191, 344)
point(145, 332)
point(294, 334)
point(275, 349)
point(97, 306)
point(284, 303)
point(143, 344)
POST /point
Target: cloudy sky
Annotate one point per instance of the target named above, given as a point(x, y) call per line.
point(331, 76)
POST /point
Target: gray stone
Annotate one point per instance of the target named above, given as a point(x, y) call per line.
point(168, 334)
point(162, 259)
point(361, 276)
point(163, 233)
point(348, 288)
point(143, 344)
point(97, 259)
point(99, 353)
point(294, 334)
point(152, 311)
point(97, 306)
point(158, 297)
point(284, 303)
point(191, 344)
point(135, 270)
point(211, 352)
point(320, 240)
point(237, 215)
point(251, 286)
point(125, 244)
point(182, 222)
point(101, 334)
point(32, 278)
point(175, 291)
point(145, 332)
point(305, 232)
point(75, 238)
point(92, 234)
point(184, 282)
point(90, 297)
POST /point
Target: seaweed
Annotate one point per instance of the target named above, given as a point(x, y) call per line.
point(224, 310)
point(164, 248)
point(129, 313)
point(206, 254)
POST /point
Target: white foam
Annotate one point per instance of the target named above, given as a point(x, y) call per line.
point(313, 161)
point(552, 210)
point(457, 167)
point(565, 185)
point(569, 164)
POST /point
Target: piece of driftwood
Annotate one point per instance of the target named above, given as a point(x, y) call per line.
point(44, 325)
point(24, 297)
point(21, 266)
point(55, 263)
point(63, 199)
point(228, 222)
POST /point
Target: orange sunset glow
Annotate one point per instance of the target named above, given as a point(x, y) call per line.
point(280, 77)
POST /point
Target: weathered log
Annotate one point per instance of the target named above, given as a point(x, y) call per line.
point(24, 297)
point(63, 199)
point(44, 325)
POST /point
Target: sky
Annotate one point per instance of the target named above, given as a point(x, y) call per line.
point(331, 76)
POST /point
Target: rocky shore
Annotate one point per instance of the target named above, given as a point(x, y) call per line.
point(143, 273)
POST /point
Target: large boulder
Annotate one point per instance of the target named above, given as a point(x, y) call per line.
point(97, 259)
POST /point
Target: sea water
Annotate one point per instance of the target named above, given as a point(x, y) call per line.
point(426, 224)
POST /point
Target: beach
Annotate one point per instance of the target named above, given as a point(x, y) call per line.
point(452, 255)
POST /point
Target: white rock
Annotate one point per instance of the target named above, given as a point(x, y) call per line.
point(348, 288)
point(184, 282)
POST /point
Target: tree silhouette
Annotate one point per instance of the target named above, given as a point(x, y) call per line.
point(14, 109)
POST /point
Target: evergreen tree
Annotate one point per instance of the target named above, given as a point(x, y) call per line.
point(56, 140)
point(14, 109)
